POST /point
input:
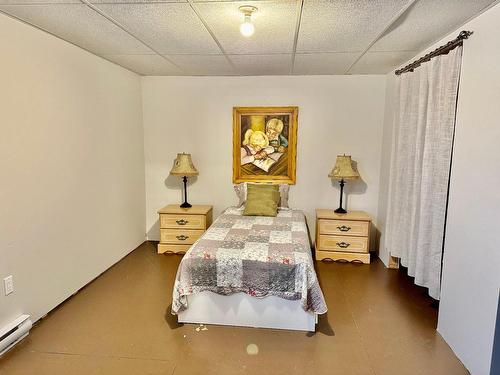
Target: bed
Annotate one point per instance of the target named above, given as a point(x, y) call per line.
point(250, 271)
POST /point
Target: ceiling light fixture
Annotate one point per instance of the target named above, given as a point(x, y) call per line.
point(247, 28)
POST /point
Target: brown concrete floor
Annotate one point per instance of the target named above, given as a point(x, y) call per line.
point(378, 323)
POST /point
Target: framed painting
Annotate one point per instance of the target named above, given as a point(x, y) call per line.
point(264, 144)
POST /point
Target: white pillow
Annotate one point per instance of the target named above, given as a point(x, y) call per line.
point(241, 192)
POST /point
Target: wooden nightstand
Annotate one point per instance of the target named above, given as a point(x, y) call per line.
point(342, 236)
point(181, 227)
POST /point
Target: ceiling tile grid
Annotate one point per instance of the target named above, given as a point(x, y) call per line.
point(205, 65)
point(427, 21)
point(257, 65)
point(170, 28)
point(80, 25)
point(147, 65)
point(324, 63)
point(201, 37)
point(381, 62)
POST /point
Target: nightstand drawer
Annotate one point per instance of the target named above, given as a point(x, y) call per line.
point(343, 243)
point(183, 221)
point(342, 255)
point(179, 236)
point(344, 227)
point(165, 248)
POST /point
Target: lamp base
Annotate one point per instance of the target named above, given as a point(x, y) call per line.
point(340, 210)
point(185, 204)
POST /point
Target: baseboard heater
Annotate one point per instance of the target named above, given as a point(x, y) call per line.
point(14, 332)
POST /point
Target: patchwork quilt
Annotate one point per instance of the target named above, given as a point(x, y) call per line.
point(260, 256)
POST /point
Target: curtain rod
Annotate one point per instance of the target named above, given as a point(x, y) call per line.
point(458, 41)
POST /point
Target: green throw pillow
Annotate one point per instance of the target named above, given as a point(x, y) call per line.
point(262, 200)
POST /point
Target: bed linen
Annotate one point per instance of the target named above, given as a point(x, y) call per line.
point(257, 255)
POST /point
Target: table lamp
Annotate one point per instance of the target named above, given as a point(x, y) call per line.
point(343, 170)
point(183, 166)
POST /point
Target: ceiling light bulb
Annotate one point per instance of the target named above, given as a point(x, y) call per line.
point(247, 28)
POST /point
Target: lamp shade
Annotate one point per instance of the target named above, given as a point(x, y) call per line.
point(343, 169)
point(183, 166)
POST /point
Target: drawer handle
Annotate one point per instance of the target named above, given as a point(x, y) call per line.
point(343, 228)
point(182, 237)
point(343, 244)
point(182, 222)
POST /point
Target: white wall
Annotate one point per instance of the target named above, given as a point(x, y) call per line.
point(71, 167)
point(337, 114)
point(471, 271)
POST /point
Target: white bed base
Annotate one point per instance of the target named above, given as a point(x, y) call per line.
point(240, 309)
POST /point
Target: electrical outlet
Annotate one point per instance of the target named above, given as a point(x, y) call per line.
point(8, 285)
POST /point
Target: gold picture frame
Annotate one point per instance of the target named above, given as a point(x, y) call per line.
point(265, 144)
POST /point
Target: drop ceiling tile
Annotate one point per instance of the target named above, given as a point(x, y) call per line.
point(256, 65)
point(28, 2)
point(344, 25)
point(226, 1)
point(428, 21)
point(170, 28)
point(150, 65)
point(381, 62)
point(78, 24)
point(275, 23)
point(203, 64)
point(135, 1)
point(324, 63)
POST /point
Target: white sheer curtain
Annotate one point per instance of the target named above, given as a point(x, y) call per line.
point(420, 165)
